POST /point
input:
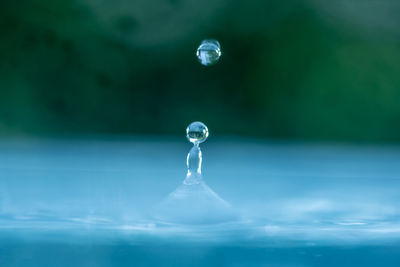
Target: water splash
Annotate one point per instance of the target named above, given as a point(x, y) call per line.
point(194, 201)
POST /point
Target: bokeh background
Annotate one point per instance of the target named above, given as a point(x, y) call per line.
point(295, 69)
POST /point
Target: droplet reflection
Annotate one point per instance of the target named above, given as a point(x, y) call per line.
point(209, 52)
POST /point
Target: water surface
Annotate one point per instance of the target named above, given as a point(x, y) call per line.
point(89, 203)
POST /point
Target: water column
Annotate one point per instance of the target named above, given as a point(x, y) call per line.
point(194, 202)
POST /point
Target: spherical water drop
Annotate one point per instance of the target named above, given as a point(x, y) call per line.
point(209, 52)
point(197, 132)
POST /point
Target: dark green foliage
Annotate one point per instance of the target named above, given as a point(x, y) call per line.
point(292, 69)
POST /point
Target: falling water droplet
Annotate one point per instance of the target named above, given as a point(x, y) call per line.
point(209, 52)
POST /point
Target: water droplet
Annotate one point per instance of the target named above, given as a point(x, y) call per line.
point(209, 52)
point(197, 132)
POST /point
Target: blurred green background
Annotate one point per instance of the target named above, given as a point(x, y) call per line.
point(296, 69)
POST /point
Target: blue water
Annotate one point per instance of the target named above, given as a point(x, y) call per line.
point(89, 203)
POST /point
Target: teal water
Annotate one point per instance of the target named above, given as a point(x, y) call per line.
point(89, 203)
